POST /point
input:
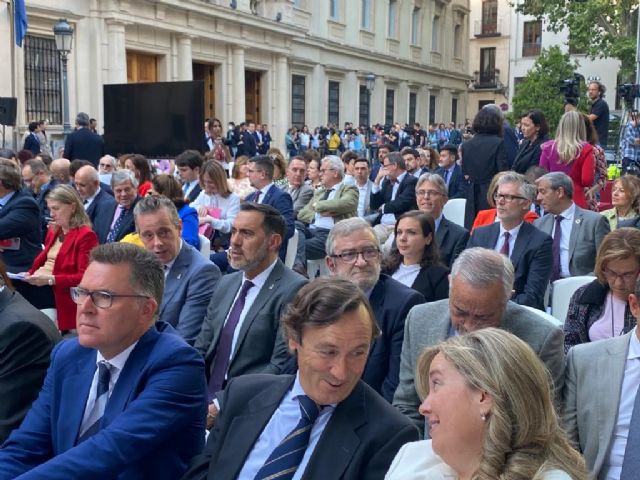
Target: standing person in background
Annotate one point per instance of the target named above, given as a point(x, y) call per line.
point(31, 141)
point(139, 165)
point(599, 111)
point(482, 157)
point(534, 130)
point(630, 142)
point(45, 147)
point(83, 144)
point(571, 154)
point(266, 139)
point(217, 143)
point(600, 177)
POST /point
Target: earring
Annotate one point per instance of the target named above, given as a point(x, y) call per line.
point(483, 417)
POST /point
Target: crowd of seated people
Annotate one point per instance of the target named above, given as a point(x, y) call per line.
point(289, 373)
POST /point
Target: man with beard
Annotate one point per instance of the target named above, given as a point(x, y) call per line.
point(353, 252)
point(241, 329)
point(480, 287)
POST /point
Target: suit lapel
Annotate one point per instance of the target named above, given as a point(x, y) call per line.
point(578, 220)
point(259, 410)
point(442, 231)
point(339, 440)
point(225, 307)
point(265, 294)
point(521, 243)
point(76, 385)
point(173, 277)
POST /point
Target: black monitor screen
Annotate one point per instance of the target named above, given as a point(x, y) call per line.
point(158, 120)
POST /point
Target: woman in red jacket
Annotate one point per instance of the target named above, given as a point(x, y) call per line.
point(65, 256)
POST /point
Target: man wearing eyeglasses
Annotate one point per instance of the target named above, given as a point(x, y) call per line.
point(353, 252)
point(480, 287)
point(190, 279)
point(528, 248)
point(127, 397)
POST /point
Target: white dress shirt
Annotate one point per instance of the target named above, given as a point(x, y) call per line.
point(390, 218)
point(565, 228)
point(513, 234)
point(90, 200)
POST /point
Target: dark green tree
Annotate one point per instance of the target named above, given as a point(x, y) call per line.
point(599, 28)
point(539, 89)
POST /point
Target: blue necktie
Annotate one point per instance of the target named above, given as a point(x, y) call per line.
point(631, 462)
point(285, 458)
point(116, 227)
point(92, 424)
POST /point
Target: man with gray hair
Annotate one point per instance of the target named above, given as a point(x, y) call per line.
point(83, 144)
point(335, 202)
point(118, 221)
point(528, 248)
point(393, 193)
point(353, 252)
point(577, 233)
point(480, 287)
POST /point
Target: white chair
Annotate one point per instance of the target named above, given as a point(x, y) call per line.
point(52, 313)
point(546, 316)
point(205, 246)
point(230, 168)
point(561, 291)
point(292, 247)
point(453, 210)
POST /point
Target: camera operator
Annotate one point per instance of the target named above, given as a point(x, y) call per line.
point(599, 111)
point(630, 143)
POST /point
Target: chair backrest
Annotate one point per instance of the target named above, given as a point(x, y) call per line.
point(292, 247)
point(205, 246)
point(561, 292)
point(453, 210)
point(545, 315)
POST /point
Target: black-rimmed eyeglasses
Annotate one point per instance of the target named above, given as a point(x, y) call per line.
point(100, 298)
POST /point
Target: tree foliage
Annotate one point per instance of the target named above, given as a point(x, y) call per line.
point(599, 28)
point(539, 90)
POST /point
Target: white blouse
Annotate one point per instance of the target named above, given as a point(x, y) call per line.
point(229, 208)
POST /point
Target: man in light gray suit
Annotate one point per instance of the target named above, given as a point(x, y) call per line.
point(300, 192)
point(189, 278)
point(241, 329)
point(601, 385)
point(481, 284)
point(581, 231)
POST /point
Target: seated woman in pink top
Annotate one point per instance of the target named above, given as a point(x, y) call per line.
point(571, 154)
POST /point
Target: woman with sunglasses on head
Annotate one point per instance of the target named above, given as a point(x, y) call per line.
point(600, 309)
point(414, 258)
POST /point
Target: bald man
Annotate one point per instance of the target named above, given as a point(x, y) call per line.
point(97, 202)
point(60, 171)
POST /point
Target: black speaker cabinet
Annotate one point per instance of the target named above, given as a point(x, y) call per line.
point(8, 107)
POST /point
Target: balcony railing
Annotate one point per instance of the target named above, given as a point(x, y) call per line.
point(487, 28)
point(531, 49)
point(487, 80)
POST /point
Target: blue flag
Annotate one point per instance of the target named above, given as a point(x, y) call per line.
point(20, 19)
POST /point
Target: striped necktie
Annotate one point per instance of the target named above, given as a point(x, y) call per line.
point(285, 458)
point(92, 424)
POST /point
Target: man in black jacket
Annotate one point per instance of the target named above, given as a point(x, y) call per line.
point(83, 143)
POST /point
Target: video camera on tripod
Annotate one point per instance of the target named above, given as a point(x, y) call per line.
point(570, 88)
point(629, 92)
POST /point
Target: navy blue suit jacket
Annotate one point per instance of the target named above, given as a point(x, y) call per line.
point(83, 144)
point(152, 425)
point(391, 302)
point(32, 144)
point(102, 224)
point(101, 210)
point(457, 186)
point(20, 218)
point(281, 201)
point(531, 258)
point(405, 197)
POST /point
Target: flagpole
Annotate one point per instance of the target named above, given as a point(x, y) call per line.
point(12, 27)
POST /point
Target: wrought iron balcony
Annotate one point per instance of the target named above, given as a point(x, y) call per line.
point(487, 80)
point(484, 28)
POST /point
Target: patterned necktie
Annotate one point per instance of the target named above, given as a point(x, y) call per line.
point(285, 458)
point(631, 462)
point(505, 246)
point(257, 198)
point(555, 249)
point(91, 425)
point(113, 233)
point(223, 351)
point(445, 177)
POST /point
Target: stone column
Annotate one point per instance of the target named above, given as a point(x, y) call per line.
point(378, 98)
point(116, 53)
point(316, 97)
point(402, 102)
point(349, 102)
point(283, 102)
point(184, 64)
point(238, 106)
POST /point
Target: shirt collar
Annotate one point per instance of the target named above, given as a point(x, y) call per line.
point(634, 345)
point(120, 359)
point(570, 212)
point(265, 189)
point(170, 264)
point(92, 197)
point(513, 232)
point(401, 178)
point(4, 200)
point(297, 391)
point(260, 279)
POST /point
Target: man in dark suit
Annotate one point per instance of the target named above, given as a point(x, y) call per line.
point(97, 203)
point(353, 252)
point(20, 233)
point(189, 164)
point(83, 143)
point(431, 194)
point(340, 428)
point(31, 142)
point(528, 248)
point(126, 398)
point(190, 279)
point(241, 330)
point(261, 177)
point(27, 337)
point(580, 231)
point(249, 140)
point(451, 172)
point(393, 193)
point(118, 220)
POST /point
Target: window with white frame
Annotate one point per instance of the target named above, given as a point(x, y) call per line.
point(392, 30)
point(435, 33)
point(365, 21)
point(415, 26)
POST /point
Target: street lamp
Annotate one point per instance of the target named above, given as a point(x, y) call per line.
point(370, 83)
point(63, 33)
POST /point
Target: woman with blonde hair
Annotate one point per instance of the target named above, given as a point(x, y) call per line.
point(490, 415)
point(239, 182)
point(600, 309)
point(64, 259)
point(570, 153)
point(625, 198)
